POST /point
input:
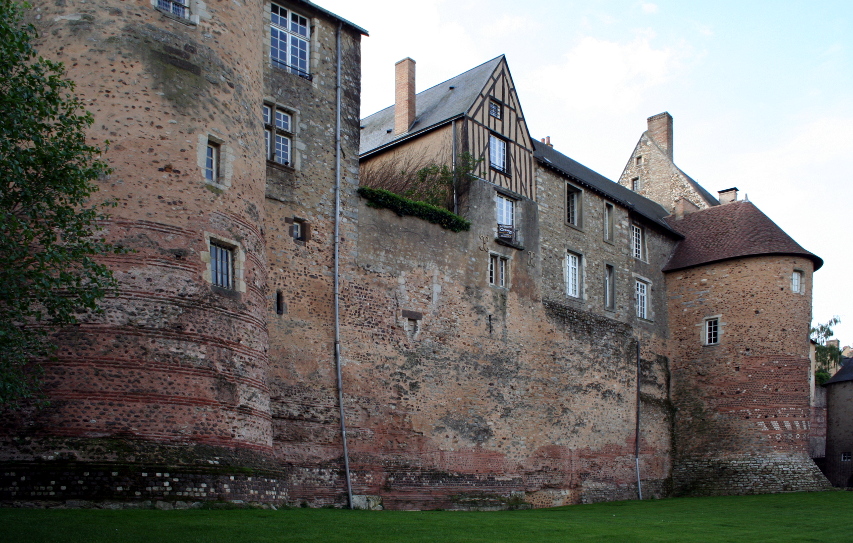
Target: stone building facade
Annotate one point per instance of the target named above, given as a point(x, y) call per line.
point(544, 357)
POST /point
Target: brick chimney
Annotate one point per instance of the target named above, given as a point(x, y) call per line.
point(404, 95)
point(547, 141)
point(728, 196)
point(660, 130)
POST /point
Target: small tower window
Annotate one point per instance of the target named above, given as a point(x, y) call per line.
point(712, 331)
point(221, 265)
point(797, 282)
point(211, 162)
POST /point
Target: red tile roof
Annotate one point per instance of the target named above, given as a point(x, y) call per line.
point(727, 231)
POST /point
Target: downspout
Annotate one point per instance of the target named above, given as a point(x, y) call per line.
point(453, 166)
point(637, 430)
point(337, 293)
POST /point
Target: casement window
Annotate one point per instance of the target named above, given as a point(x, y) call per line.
point(638, 245)
point(712, 331)
point(845, 457)
point(498, 267)
point(506, 217)
point(221, 265)
point(636, 184)
point(278, 132)
point(497, 153)
point(609, 287)
point(574, 202)
point(797, 282)
point(608, 222)
point(178, 8)
point(289, 41)
point(211, 161)
point(573, 275)
point(642, 297)
point(495, 109)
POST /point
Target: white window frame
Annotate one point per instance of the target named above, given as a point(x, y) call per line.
point(641, 292)
point(638, 245)
point(278, 134)
point(711, 330)
point(609, 287)
point(505, 210)
point(608, 221)
point(498, 270)
point(574, 205)
point(846, 456)
point(177, 8)
point(797, 284)
point(497, 153)
point(290, 40)
point(636, 184)
point(212, 157)
point(573, 274)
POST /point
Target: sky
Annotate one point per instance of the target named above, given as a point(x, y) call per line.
point(761, 93)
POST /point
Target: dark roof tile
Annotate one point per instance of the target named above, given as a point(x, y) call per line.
point(732, 230)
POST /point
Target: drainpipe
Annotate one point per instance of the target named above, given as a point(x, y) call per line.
point(637, 430)
point(337, 294)
point(453, 166)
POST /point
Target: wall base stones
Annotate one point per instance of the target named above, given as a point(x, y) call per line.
point(757, 474)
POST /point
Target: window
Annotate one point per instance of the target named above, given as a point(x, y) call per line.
point(637, 242)
point(639, 161)
point(300, 229)
point(495, 109)
point(506, 217)
point(636, 185)
point(642, 290)
point(608, 222)
point(221, 265)
point(845, 457)
point(573, 286)
point(573, 205)
point(497, 270)
point(712, 331)
point(211, 162)
point(277, 126)
point(797, 282)
point(497, 153)
point(289, 41)
point(279, 302)
point(175, 7)
point(609, 287)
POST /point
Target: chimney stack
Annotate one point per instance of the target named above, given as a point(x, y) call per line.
point(547, 141)
point(660, 130)
point(728, 196)
point(404, 95)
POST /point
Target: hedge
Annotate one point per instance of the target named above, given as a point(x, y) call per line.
point(381, 198)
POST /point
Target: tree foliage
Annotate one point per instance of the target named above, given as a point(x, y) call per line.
point(48, 227)
point(827, 357)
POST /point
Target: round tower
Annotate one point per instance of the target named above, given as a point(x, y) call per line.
point(740, 308)
point(172, 376)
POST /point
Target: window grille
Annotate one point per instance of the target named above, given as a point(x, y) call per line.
point(712, 331)
point(175, 7)
point(221, 265)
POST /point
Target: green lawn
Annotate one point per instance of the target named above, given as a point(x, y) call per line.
point(818, 517)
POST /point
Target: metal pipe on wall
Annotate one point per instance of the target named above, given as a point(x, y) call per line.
point(637, 430)
point(337, 270)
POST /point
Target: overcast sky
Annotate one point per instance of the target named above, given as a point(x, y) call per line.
point(760, 92)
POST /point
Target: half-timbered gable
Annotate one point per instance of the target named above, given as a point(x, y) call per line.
point(497, 134)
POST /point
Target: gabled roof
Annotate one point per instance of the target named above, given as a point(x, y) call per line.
point(433, 107)
point(709, 198)
point(337, 17)
point(727, 231)
point(844, 374)
point(577, 172)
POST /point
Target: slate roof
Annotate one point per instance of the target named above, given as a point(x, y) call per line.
point(727, 231)
point(611, 190)
point(433, 107)
point(844, 374)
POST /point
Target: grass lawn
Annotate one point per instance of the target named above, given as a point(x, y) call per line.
point(817, 517)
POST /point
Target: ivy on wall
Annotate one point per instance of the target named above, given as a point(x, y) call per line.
point(381, 198)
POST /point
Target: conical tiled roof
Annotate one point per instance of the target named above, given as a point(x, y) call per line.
point(732, 230)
